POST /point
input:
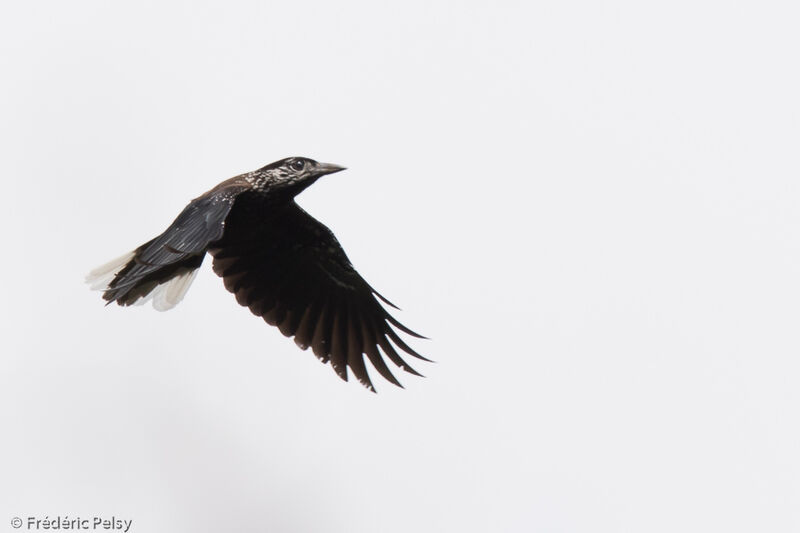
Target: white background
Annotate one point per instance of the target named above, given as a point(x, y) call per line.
point(591, 208)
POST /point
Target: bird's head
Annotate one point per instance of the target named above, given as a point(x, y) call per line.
point(294, 174)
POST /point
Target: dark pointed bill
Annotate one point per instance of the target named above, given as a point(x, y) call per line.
point(328, 168)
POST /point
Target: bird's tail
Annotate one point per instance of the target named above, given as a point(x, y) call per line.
point(129, 280)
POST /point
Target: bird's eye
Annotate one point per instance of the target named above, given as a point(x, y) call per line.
point(298, 164)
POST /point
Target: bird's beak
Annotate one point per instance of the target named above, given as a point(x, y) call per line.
point(328, 168)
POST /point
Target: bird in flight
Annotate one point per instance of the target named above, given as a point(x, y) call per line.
point(280, 262)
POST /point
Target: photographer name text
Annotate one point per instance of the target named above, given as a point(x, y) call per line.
point(95, 523)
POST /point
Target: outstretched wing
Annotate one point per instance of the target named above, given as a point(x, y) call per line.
point(165, 266)
point(294, 273)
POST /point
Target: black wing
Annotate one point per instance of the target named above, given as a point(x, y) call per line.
point(293, 273)
point(177, 251)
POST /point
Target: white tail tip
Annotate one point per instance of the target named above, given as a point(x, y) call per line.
point(168, 295)
point(99, 278)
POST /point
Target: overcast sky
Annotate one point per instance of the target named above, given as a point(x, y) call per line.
point(590, 207)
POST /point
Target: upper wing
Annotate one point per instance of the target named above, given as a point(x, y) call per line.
point(176, 252)
point(294, 273)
